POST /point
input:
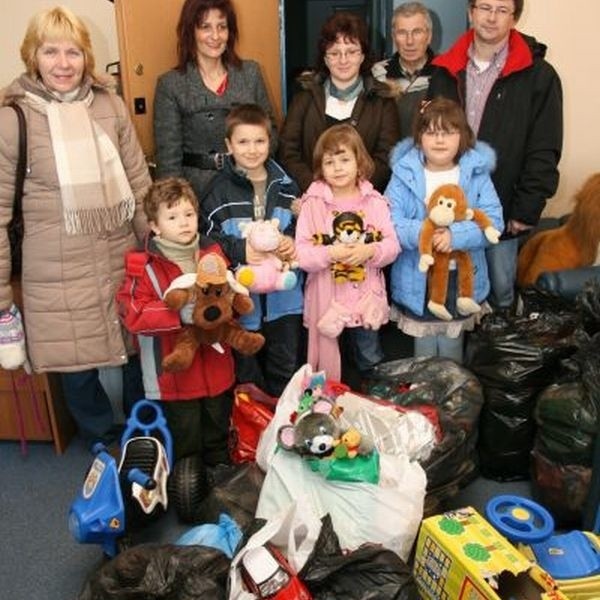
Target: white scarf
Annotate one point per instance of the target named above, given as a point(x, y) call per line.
point(95, 192)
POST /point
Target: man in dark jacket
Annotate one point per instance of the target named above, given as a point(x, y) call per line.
point(409, 68)
point(513, 101)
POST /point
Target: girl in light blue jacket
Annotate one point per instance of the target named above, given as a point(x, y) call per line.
point(442, 151)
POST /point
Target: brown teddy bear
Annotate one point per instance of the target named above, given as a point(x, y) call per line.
point(217, 298)
point(571, 246)
point(447, 205)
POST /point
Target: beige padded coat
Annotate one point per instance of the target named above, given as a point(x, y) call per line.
point(69, 281)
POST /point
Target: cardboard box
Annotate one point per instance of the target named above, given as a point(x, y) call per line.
point(460, 556)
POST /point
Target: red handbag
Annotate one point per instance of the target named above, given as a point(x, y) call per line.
point(252, 411)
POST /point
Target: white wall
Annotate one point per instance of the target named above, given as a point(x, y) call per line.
point(570, 31)
point(98, 15)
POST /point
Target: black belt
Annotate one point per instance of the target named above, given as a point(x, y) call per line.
point(204, 160)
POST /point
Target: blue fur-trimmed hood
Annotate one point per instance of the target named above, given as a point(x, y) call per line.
point(406, 155)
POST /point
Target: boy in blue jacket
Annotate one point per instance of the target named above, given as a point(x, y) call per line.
point(252, 187)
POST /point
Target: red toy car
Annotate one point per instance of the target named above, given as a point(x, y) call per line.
point(267, 574)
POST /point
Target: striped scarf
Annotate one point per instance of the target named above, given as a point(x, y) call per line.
point(95, 192)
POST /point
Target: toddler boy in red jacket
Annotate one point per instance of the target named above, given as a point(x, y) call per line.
point(196, 402)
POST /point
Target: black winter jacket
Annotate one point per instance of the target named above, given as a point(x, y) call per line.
point(522, 121)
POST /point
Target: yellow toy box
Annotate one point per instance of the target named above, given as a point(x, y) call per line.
point(460, 556)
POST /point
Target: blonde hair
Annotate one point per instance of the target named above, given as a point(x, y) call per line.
point(54, 24)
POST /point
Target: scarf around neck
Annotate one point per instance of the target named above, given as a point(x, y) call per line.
point(349, 93)
point(95, 192)
point(185, 256)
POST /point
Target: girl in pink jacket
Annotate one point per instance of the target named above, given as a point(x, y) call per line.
point(344, 236)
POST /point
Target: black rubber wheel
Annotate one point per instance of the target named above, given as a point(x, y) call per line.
point(188, 486)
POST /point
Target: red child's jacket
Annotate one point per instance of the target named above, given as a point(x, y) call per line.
point(145, 314)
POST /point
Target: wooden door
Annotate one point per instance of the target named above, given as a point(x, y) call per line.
point(148, 48)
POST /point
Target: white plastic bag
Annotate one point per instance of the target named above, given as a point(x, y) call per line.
point(389, 513)
point(294, 530)
point(286, 405)
point(392, 431)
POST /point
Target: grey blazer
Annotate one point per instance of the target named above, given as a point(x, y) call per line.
point(190, 119)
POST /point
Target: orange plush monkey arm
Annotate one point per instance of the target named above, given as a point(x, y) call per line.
point(426, 245)
point(485, 224)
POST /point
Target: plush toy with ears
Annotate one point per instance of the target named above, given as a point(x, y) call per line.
point(447, 205)
point(314, 433)
point(271, 273)
point(217, 298)
point(575, 244)
point(353, 443)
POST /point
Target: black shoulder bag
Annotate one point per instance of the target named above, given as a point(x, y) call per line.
point(15, 227)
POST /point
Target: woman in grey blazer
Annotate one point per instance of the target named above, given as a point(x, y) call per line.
point(192, 100)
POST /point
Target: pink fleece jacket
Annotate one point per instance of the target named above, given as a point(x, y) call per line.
point(317, 212)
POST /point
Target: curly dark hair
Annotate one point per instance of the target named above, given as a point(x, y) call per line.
point(169, 191)
point(347, 26)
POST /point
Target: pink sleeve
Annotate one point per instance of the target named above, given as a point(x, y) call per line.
point(311, 257)
point(388, 248)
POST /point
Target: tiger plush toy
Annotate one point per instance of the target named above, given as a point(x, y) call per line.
point(348, 228)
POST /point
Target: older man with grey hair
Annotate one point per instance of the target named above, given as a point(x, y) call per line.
point(409, 68)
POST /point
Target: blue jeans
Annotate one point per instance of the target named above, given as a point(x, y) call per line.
point(502, 268)
point(364, 346)
point(90, 405)
point(440, 345)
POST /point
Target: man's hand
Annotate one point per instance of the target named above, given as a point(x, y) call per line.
point(517, 228)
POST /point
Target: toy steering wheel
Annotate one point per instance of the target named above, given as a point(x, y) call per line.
point(520, 519)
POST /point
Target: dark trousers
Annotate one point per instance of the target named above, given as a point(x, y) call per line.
point(200, 427)
point(90, 406)
point(273, 367)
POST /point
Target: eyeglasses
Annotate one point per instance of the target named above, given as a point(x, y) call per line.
point(443, 133)
point(417, 33)
point(501, 11)
point(336, 55)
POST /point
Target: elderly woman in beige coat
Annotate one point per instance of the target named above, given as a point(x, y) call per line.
point(85, 180)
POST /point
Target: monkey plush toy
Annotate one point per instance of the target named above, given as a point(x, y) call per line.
point(448, 205)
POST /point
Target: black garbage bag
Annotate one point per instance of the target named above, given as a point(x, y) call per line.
point(161, 572)
point(235, 492)
point(368, 573)
point(588, 305)
point(515, 358)
point(566, 423)
point(561, 488)
point(457, 396)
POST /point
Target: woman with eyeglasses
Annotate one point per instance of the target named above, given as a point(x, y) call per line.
point(442, 151)
point(342, 90)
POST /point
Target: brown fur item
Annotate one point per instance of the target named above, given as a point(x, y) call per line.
point(573, 245)
point(448, 204)
point(217, 299)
